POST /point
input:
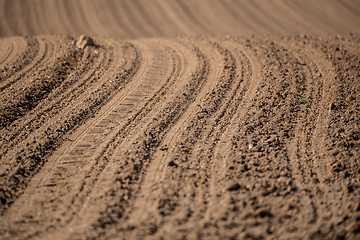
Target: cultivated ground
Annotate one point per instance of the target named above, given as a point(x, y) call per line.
point(183, 120)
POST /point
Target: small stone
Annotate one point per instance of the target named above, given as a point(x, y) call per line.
point(234, 187)
point(172, 164)
point(265, 213)
point(332, 106)
point(164, 148)
point(84, 41)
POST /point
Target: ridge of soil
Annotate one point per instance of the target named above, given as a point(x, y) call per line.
point(179, 119)
point(189, 137)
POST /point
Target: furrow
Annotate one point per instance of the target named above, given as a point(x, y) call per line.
point(133, 157)
point(11, 49)
point(98, 187)
point(48, 136)
point(338, 165)
point(40, 136)
point(91, 144)
point(145, 206)
point(43, 53)
point(250, 172)
point(152, 206)
point(34, 88)
point(8, 73)
point(79, 79)
point(223, 152)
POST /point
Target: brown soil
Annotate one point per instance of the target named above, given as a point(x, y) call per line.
point(196, 120)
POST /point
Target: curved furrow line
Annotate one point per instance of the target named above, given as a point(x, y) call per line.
point(201, 201)
point(49, 134)
point(85, 104)
point(299, 153)
point(310, 146)
point(344, 57)
point(307, 89)
point(342, 142)
point(313, 120)
point(93, 144)
point(196, 148)
point(6, 48)
point(195, 209)
point(35, 85)
point(37, 61)
point(24, 63)
point(325, 72)
point(254, 176)
point(157, 81)
point(24, 161)
point(130, 161)
point(181, 157)
point(302, 84)
point(80, 79)
point(311, 131)
point(145, 206)
point(223, 152)
point(228, 114)
point(11, 50)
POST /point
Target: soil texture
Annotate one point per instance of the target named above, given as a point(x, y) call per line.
point(179, 119)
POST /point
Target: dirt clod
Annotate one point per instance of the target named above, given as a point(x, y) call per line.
point(234, 187)
point(84, 41)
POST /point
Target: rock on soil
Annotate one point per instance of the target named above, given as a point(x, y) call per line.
point(84, 41)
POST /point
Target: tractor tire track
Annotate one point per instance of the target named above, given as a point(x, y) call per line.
point(70, 160)
point(137, 152)
point(191, 137)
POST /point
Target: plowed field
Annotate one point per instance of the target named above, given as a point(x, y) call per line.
point(184, 120)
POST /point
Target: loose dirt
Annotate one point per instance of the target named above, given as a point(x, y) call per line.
point(179, 120)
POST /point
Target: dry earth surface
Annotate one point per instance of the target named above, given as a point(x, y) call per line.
point(181, 120)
